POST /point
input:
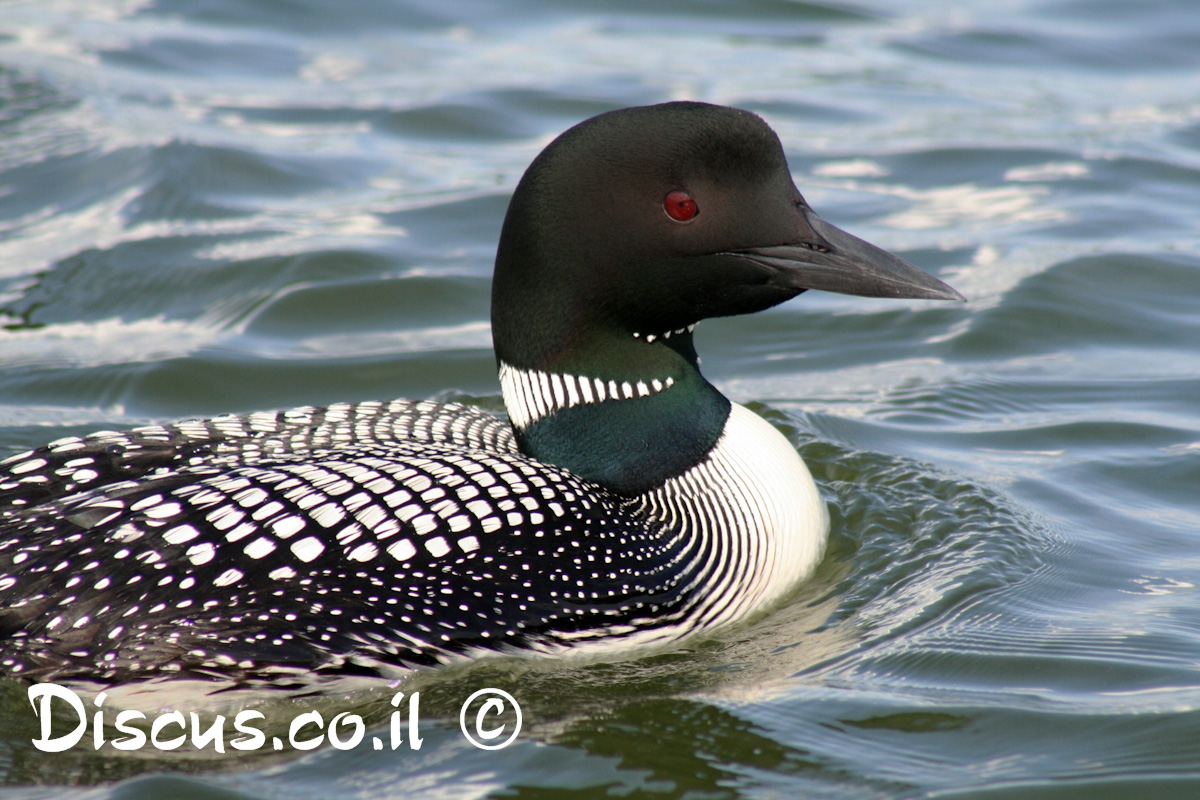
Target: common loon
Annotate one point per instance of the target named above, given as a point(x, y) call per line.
point(626, 501)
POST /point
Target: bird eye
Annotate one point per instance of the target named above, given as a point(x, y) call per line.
point(680, 206)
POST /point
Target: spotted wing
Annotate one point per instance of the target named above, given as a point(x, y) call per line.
point(382, 553)
point(77, 464)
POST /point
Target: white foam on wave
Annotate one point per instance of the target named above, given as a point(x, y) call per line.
point(107, 341)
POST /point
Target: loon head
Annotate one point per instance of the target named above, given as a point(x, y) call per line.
point(624, 232)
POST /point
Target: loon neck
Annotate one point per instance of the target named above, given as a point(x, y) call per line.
point(637, 415)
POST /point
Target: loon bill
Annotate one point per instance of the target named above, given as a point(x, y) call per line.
point(626, 502)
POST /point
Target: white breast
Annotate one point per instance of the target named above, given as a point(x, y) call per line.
point(754, 509)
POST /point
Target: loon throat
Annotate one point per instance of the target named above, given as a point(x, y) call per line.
point(625, 502)
point(531, 395)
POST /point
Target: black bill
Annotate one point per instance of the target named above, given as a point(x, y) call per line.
point(835, 261)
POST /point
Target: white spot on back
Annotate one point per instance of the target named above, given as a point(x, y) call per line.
point(308, 548)
point(227, 577)
point(28, 466)
point(262, 546)
point(285, 527)
point(181, 534)
point(163, 511)
point(364, 552)
point(402, 550)
point(201, 553)
point(250, 497)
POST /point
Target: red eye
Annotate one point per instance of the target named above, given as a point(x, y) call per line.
point(680, 206)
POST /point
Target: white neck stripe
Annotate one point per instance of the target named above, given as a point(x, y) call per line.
point(650, 337)
point(530, 395)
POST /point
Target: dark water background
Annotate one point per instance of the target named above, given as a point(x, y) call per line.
point(220, 205)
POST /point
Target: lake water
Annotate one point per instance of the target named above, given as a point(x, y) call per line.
point(229, 205)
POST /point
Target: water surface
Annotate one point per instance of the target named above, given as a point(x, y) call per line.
point(233, 205)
